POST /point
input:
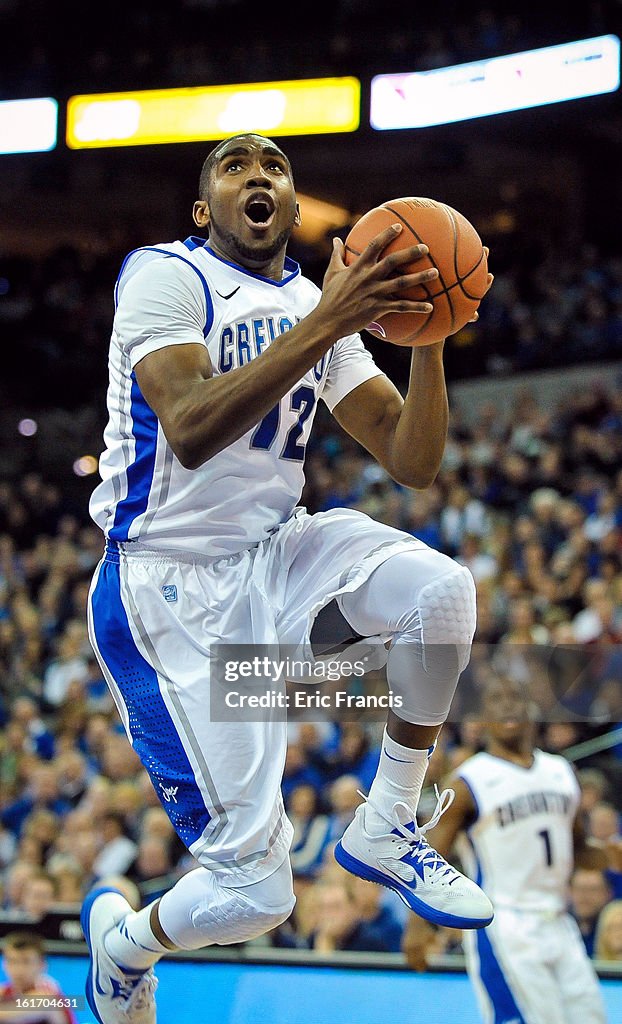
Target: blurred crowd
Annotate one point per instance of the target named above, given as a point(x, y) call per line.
point(183, 43)
point(529, 496)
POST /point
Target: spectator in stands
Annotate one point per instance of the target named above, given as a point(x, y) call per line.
point(69, 880)
point(594, 788)
point(15, 880)
point(604, 823)
point(24, 964)
point(377, 913)
point(120, 762)
point(482, 564)
point(126, 799)
point(338, 924)
point(69, 666)
point(13, 750)
point(311, 830)
point(608, 944)
point(343, 797)
point(117, 851)
point(599, 619)
point(354, 754)
point(39, 895)
point(84, 848)
point(152, 869)
point(38, 738)
point(589, 893)
point(523, 627)
point(43, 793)
point(95, 739)
point(31, 850)
point(73, 775)
point(146, 793)
point(298, 771)
point(42, 826)
point(156, 822)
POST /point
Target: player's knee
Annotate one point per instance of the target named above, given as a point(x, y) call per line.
point(244, 914)
point(447, 613)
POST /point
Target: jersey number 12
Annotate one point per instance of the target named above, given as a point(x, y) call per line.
point(302, 401)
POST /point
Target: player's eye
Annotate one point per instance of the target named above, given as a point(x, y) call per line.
point(233, 165)
point(275, 166)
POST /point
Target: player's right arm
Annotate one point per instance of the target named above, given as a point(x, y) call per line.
point(201, 414)
point(458, 816)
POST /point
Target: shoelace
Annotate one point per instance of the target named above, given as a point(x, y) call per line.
point(418, 846)
point(137, 994)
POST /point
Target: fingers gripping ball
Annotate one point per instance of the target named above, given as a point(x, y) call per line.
point(455, 250)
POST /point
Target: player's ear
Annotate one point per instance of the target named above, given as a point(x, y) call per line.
point(297, 218)
point(200, 213)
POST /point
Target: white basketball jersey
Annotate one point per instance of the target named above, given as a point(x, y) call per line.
point(520, 848)
point(182, 292)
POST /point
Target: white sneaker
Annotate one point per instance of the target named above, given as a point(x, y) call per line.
point(115, 995)
point(404, 861)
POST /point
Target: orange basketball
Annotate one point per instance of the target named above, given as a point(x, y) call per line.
point(455, 250)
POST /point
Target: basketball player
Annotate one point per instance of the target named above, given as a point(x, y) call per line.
point(515, 817)
point(219, 354)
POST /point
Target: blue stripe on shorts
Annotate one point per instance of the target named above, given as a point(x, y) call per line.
point(495, 983)
point(154, 734)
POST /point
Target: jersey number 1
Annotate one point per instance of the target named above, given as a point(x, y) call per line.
point(302, 402)
point(546, 839)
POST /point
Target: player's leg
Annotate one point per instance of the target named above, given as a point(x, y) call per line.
point(228, 812)
point(427, 602)
point(387, 584)
point(579, 988)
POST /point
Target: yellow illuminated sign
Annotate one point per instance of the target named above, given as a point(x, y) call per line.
point(307, 107)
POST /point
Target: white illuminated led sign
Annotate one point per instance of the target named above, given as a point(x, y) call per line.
point(28, 126)
point(552, 74)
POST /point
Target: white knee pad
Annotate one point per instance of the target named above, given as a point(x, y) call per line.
point(237, 918)
point(433, 648)
point(447, 616)
point(200, 911)
point(427, 601)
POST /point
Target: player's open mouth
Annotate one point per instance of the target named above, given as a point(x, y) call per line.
point(259, 210)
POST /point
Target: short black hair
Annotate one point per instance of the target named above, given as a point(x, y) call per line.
point(214, 155)
point(25, 940)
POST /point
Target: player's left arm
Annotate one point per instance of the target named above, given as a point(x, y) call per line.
point(406, 436)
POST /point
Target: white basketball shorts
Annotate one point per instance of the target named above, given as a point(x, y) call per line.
point(152, 619)
point(533, 968)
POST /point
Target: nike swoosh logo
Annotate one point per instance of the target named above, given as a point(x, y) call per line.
point(230, 295)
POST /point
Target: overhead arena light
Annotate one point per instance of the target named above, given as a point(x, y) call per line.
point(306, 107)
point(552, 74)
point(28, 126)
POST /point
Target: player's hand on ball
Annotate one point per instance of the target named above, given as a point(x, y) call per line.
point(374, 285)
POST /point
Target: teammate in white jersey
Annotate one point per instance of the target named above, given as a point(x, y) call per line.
point(515, 819)
point(219, 354)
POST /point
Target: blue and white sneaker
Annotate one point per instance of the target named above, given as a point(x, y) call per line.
point(115, 995)
point(404, 861)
